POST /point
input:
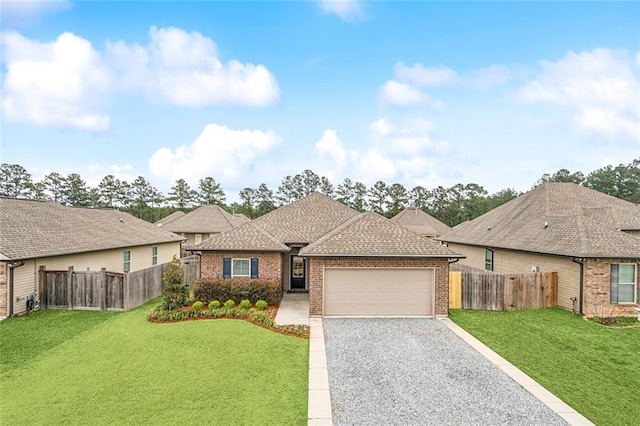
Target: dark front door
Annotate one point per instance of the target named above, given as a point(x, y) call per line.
point(297, 272)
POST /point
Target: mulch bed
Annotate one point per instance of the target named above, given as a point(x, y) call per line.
point(295, 330)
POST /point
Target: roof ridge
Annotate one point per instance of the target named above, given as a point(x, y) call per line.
point(225, 214)
point(263, 231)
point(337, 229)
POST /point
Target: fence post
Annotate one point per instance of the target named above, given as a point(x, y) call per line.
point(41, 287)
point(103, 288)
point(125, 292)
point(70, 287)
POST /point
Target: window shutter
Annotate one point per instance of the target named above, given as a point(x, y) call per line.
point(254, 267)
point(226, 267)
point(613, 291)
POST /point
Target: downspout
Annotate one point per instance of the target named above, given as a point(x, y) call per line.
point(12, 266)
point(580, 262)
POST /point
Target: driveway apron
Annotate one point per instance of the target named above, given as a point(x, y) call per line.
point(415, 371)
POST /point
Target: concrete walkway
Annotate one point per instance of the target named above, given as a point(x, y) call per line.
point(294, 309)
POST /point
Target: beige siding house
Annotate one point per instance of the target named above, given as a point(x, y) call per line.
point(201, 224)
point(350, 263)
point(421, 223)
point(591, 239)
point(35, 234)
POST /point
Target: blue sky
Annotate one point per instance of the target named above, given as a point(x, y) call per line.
point(421, 93)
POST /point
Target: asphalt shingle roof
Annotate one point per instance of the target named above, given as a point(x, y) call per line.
point(31, 229)
point(173, 216)
point(206, 219)
point(421, 223)
point(305, 220)
point(369, 234)
point(248, 237)
point(579, 222)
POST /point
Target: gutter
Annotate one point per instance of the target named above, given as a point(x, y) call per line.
point(12, 266)
point(580, 262)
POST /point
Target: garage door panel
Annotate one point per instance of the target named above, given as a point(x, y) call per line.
point(378, 292)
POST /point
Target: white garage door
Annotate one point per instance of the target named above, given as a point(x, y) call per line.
point(378, 292)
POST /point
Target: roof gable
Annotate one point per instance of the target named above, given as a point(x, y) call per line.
point(173, 216)
point(30, 229)
point(416, 220)
point(369, 234)
point(248, 237)
point(306, 219)
point(557, 218)
point(206, 219)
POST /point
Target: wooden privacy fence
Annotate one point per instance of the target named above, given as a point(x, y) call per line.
point(104, 290)
point(471, 288)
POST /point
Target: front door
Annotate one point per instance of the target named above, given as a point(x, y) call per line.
point(297, 272)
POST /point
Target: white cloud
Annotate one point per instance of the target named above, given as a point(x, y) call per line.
point(406, 150)
point(218, 151)
point(418, 75)
point(600, 85)
point(331, 146)
point(184, 69)
point(347, 10)
point(17, 12)
point(405, 95)
point(55, 84)
point(494, 75)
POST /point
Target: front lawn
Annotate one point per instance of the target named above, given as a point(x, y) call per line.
point(594, 369)
point(62, 367)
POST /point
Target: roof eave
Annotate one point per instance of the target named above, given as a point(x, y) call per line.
point(444, 256)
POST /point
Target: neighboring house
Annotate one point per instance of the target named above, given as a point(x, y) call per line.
point(591, 239)
point(173, 216)
point(351, 263)
point(36, 234)
point(421, 223)
point(202, 223)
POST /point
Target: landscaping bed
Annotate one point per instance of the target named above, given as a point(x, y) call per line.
point(262, 317)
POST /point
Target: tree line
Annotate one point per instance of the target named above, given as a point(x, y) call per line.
point(451, 205)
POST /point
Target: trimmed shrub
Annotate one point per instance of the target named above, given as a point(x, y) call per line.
point(229, 304)
point(175, 294)
point(197, 306)
point(245, 304)
point(261, 305)
point(214, 304)
point(238, 289)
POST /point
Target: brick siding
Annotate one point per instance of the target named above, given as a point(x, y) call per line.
point(597, 283)
point(317, 265)
point(269, 263)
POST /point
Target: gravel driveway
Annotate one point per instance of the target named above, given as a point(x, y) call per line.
point(417, 372)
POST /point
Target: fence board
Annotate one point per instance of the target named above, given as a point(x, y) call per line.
point(455, 290)
point(487, 290)
point(108, 290)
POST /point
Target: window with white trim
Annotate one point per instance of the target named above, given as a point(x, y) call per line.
point(198, 238)
point(126, 260)
point(240, 267)
point(154, 255)
point(623, 283)
point(488, 259)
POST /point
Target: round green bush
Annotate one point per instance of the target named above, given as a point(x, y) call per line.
point(197, 306)
point(214, 304)
point(229, 304)
point(261, 305)
point(245, 304)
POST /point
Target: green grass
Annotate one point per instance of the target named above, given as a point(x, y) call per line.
point(61, 367)
point(594, 369)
